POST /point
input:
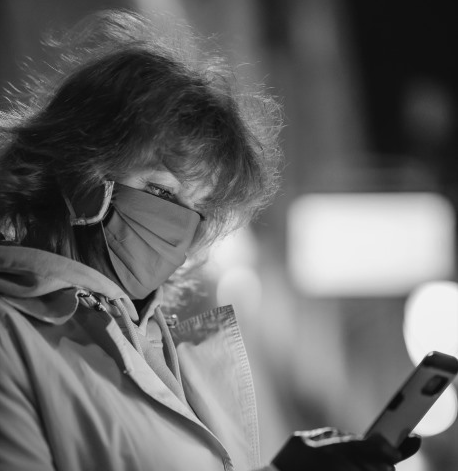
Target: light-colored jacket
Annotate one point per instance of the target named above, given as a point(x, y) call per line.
point(75, 395)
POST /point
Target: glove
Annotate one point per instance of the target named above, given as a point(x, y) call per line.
point(328, 449)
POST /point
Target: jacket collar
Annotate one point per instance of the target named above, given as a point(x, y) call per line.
point(47, 286)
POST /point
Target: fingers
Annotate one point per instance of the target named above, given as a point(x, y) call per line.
point(380, 447)
point(385, 456)
point(374, 454)
point(330, 450)
point(394, 455)
point(409, 446)
point(379, 467)
point(376, 467)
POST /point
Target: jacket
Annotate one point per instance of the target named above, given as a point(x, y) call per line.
point(76, 394)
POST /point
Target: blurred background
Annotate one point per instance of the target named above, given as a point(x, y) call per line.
point(349, 278)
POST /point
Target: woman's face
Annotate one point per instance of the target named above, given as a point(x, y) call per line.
point(162, 183)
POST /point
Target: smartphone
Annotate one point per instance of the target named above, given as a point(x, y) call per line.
point(415, 397)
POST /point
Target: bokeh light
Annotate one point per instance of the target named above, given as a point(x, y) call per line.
point(431, 320)
point(232, 262)
point(431, 323)
point(241, 287)
point(417, 462)
point(369, 244)
point(238, 248)
point(441, 416)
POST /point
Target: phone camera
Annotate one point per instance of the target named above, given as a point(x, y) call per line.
point(434, 385)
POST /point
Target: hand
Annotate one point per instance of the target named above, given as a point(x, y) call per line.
point(329, 450)
point(370, 454)
point(409, 446)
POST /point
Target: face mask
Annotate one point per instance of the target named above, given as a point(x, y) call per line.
point(147, 238)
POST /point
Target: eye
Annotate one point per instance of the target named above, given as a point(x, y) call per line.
point(159, 191)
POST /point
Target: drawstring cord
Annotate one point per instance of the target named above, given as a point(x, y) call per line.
point(130, 327)
point(164, 322)
point(98, 306)
point(155, 303)
point(170, 319)
point(174, 366)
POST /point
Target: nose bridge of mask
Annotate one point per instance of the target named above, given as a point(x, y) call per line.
point(91, 208)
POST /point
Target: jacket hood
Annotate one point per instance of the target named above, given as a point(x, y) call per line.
point(47, 285)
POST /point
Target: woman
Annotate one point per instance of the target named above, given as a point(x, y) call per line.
point(133, 156)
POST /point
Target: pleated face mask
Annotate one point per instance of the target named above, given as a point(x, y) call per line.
point(147, 238)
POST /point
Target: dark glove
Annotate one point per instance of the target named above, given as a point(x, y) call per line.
point(330, 450)
point(409, 446)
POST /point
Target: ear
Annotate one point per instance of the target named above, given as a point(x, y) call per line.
point(92, 208)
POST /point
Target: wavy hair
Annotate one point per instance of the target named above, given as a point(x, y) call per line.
point(124, 93)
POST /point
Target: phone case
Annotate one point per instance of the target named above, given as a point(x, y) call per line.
point(415, 397)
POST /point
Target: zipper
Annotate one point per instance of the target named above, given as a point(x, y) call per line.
point(98, 306)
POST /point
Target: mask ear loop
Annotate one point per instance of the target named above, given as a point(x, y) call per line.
point(83, 221)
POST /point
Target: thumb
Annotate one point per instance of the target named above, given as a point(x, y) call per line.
point(409, 446)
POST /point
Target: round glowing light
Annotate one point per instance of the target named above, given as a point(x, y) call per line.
point(417, 462)
point(431, 320)
point(441, 415)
